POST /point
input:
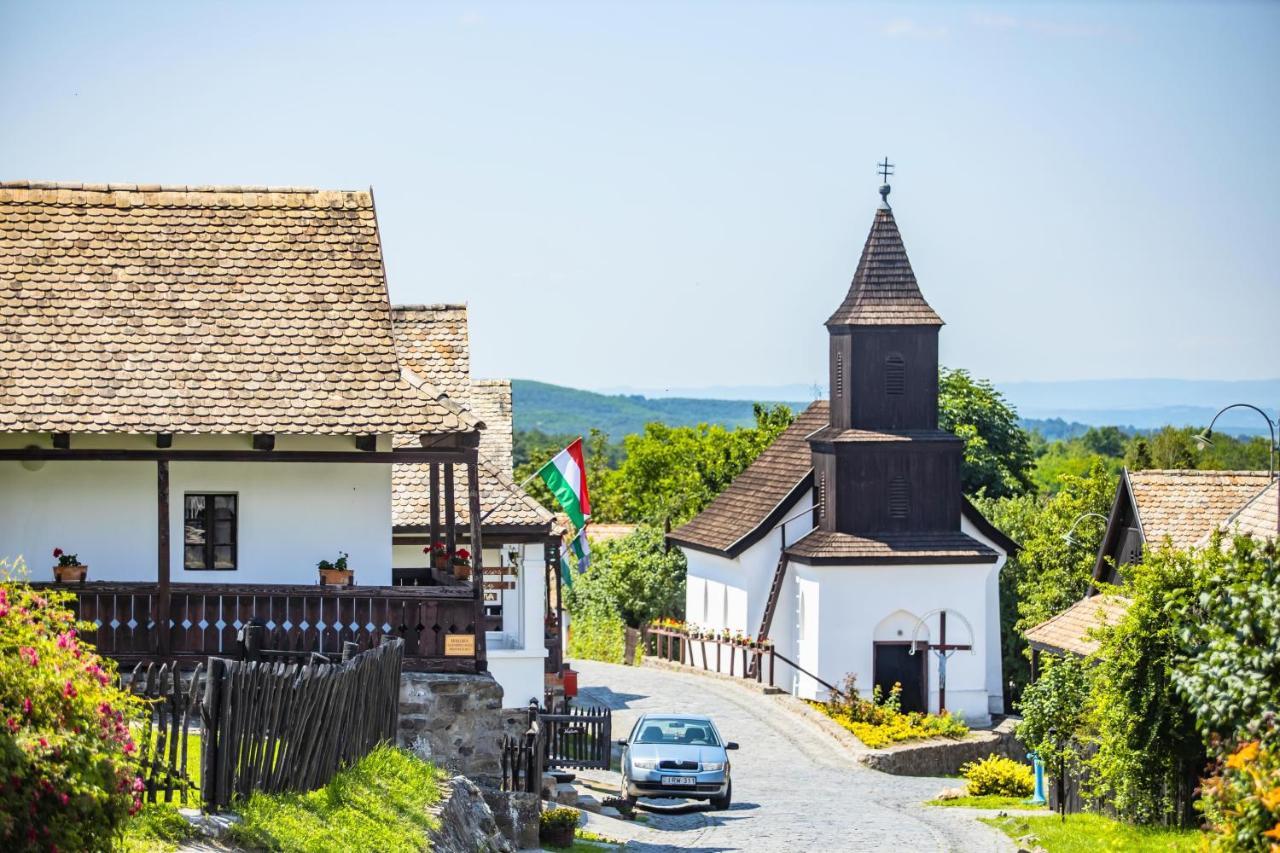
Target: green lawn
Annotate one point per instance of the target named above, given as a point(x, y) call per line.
point(990, 801)
point(1089, 833)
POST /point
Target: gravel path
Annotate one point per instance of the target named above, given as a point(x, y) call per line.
point(795, 788)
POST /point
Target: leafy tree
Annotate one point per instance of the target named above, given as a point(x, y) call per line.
point(1173, 448)
point(997, 454)
point(1053, 711)
point(1137, 456)
point(635, 578)
point(1104, 441)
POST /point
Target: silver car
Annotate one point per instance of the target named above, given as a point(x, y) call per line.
point(677, 755)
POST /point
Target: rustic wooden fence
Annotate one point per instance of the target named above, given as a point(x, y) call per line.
point(712, 653)
point(578, 739)
point(276, 726)
point(163, 739)
point(522, 757)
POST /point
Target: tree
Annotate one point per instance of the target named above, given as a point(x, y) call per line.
point(635, 577)
point(997, 453)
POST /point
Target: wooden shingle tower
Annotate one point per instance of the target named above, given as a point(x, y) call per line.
point(881, 465)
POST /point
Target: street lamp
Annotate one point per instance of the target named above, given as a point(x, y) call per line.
point(1205, 439)
point(1066, 537)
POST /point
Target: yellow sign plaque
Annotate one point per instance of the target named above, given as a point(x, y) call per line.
point(459, 645)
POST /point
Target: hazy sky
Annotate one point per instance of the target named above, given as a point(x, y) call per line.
point(677, 194)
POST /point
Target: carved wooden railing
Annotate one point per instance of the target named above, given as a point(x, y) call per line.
point(204, 620)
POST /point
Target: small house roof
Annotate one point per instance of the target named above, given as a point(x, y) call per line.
point(502, 502)
point(1073, 629)
point(884, 291)
point(190, 309)
point(1185, 506)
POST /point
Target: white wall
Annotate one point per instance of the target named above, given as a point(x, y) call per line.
point(291, 514)
point(995, 657)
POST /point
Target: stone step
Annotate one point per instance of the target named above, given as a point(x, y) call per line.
point(565, 794)
point(589, 803)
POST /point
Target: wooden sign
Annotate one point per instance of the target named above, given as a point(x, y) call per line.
point(459, 645)
point(499, 585)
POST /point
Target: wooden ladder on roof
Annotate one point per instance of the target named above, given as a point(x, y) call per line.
point(775, 591)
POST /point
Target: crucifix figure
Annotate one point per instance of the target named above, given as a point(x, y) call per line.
point(943, 650)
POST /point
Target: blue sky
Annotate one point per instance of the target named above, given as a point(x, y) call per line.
point(676, 194)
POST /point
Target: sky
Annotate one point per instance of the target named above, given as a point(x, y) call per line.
point(676, 194)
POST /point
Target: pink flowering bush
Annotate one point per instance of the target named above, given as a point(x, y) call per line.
point(68, 769)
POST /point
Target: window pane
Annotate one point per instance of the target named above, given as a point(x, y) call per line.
point(223, 557)
point(193, 532)
point(193, 557)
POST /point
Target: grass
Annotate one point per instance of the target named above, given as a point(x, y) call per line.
point(157, 828)
point(378, 804)
point(990, 801)
point(1089, 833)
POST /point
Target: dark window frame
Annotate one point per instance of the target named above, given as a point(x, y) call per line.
point(210, 528)
point(895, 375)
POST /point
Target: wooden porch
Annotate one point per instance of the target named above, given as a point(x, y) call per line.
point(205, 619)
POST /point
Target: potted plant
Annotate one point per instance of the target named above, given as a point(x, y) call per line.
point(462, 564)
point(439, 554)
point(68, 569)
point(556, 827)
point(336, 573)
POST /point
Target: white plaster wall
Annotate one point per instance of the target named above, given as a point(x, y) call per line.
point(995, 656)
point(855, 601)
point(291, 514)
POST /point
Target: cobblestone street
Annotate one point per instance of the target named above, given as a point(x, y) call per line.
point(795, 788)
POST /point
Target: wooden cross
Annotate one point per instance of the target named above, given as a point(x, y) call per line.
point(886, 169)
point(944, 650)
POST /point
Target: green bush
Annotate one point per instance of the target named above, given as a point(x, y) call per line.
point(67, 758)
point(597, 638)
point(999, 776)
point(635, 578)
point(559, 818)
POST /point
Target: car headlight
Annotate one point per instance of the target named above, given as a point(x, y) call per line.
point(644, 763)
point(713, 765)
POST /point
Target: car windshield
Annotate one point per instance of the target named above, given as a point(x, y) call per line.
point(676, 731)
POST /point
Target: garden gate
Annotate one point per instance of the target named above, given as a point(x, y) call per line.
point(578, 738)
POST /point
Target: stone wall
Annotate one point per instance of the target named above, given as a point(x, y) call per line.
point(467, 824)
point(457, 722)
point(944, 757)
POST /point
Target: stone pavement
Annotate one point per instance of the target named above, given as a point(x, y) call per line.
point(794, 787)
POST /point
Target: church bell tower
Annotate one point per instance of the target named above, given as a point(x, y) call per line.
point(881, 465)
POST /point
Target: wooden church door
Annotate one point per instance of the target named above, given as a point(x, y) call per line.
point(894, 663)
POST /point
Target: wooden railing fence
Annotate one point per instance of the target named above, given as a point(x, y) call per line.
point(579, 739)
point(743, 658)
point(163, 739)
point(522, 757)
point(276, 726)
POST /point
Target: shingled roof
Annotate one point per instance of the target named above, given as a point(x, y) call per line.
point(433, 342)
point(176, 309)
point(829, 546)
point(884, 291)
point(1075, 629)
point(502, 502)
point(741, 514)
point(1257, 518)
point(1185, 506)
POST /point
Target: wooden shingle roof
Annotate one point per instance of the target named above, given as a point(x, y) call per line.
point(1074, 629)
point(884, 291)
point(1257, 518)
point(829, 546)
point(433, 343)
point(1185, 506)
point(767, 487)
point(510, 504)
point(175, 309)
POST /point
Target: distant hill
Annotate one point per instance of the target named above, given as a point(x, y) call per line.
point(556, 409)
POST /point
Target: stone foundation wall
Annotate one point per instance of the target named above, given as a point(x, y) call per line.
point(944, 757)
point(456, 721)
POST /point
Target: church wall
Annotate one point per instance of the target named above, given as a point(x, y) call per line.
point(994, 655)
point(855, 600)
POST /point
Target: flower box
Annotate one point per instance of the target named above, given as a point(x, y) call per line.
point(337, 577)
point(461, 571)
point(70, 574)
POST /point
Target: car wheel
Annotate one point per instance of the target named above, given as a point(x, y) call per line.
point(624, 795)
point(722, 803)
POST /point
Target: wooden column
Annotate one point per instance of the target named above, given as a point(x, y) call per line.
point(450, 526)
point(434, 492)
point(162, 558)
point(477, 552)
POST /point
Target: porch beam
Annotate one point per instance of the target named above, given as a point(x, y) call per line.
point(61, 440)
point(162, 558)
point(164, 440)
point(450, 523)
point(382, 457)
point(434, 493)
point(477, 560)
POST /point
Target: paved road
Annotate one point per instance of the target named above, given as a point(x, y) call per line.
point(795, 787)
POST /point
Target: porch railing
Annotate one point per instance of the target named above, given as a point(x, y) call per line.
point(206, 619)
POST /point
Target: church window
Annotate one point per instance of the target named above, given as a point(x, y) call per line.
point(895, 374)
point(899, 497)
point(822, 495)
point(839, 375)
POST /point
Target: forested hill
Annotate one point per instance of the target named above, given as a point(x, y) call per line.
point(557, 410)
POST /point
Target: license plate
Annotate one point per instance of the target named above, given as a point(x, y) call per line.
point(679, 780)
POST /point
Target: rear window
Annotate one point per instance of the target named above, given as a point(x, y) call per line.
point(677, 731)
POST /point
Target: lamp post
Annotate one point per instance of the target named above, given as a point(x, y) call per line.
point(1205, 439)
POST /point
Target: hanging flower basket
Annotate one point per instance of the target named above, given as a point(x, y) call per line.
point(69, 569)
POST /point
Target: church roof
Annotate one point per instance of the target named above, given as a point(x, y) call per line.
point(884, 291)
point(757, 497)
point(831, 546)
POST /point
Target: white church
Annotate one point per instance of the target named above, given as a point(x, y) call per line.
point(848, 542)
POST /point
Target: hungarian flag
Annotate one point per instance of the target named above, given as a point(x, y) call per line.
point(581, 550)
point(566, 570)
point(566, 477)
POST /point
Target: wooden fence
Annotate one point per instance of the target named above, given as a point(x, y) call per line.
point(275, 726)
point(578, 739)
point(205, 619)
point(737, 658)
point(522, 757)
point(163, 740)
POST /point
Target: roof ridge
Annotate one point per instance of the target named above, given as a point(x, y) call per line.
point(1201, 472)
point(162, 188)
point(438, 306)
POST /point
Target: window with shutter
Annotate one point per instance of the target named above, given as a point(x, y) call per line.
point(839, 375)
point(899, 497)
point(895, 374)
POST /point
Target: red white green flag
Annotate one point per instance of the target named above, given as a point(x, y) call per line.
point(566, 477)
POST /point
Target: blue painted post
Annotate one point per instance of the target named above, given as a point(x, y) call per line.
point(1037, 798)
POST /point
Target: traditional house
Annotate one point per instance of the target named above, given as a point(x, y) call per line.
point(848, 542)
point(520, 545)
point(199, 390)
point(1179, 508)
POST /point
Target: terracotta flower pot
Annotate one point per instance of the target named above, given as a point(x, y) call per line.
point(70, 574)
point(461, 571)
point(440, 561)
point(337, 577)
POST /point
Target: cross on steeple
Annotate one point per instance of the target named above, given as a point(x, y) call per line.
point(885, 169)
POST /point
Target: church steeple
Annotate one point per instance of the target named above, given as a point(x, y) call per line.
point(884, 291)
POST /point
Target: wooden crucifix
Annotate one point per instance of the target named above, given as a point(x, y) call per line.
point(943, 650)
